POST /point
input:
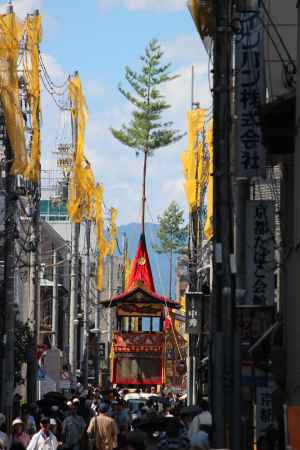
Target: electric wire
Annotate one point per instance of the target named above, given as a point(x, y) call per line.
point(279, 35)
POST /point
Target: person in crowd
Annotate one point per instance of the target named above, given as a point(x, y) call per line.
point(73, 427)
point(28, 420)
point(35, 412)
point(168, 412)
point(43, 439)
point(83, 411)
point(174, 438)
point(18, 433)
point(120, 415)
point(201, 422)
point(199, 441)
point(17, 446)
point(94, 404)
point(103, 430)
point(55, 429)
point(57, 414)
point(3, 435)
point(94, 408)
point(134, 440)
point(4, 441)
point(17, 405)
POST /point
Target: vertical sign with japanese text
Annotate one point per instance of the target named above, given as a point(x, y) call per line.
point(193, 312)
point(263, 410)
point(250, 93)
point(260, 253)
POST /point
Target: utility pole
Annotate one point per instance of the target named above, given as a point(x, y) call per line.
point(54, 301)
point(97, 332)
point(34, 283)
point(75, 234)
point(125, 257)
point(34, 292)
point(8, 363)
point(223, 286)
point(86, 309)
point(73, 299)
point(193, 285)
point(110, 294)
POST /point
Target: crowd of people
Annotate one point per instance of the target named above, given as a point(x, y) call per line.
point(98, 420)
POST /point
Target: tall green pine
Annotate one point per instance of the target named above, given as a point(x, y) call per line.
point(172, 235)
point(146, 131)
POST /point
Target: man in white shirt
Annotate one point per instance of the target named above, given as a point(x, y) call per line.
point(43, 439)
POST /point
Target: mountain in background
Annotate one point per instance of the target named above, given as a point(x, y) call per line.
point(159, 263)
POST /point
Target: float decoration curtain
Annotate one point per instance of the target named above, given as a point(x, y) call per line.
point(192, 158)
point(81, 204)
point(10, 36)
point(32, 77)
point(208, 229)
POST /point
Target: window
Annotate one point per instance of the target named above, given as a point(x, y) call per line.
point(156, 324)
point(146, 324)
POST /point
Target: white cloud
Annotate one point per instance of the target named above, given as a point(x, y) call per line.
point(148, 5)
point(178, 92)
point(23, 7)
point(53, 67)
point(185, 49)
point(94, 88)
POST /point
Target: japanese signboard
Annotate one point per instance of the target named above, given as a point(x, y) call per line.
point(263, 410)
point(253, 322)
point(193, 312)
point(250, 92)
point(260, 253)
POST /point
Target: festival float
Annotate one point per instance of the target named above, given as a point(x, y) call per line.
point(144, 326)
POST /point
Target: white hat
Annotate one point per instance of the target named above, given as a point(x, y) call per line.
point(76, 400)
point(69, 403)
point(17, 421)
point(53, 421)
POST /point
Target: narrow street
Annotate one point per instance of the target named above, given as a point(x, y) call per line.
point(149, 225)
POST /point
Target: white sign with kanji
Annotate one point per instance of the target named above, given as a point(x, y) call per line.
point(263, 410)
point(260, 253)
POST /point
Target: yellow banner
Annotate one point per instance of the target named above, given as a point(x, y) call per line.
point(33, 30)
point(208, 229)
point(10, 35)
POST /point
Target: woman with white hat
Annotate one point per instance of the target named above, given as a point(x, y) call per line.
point(18, 433)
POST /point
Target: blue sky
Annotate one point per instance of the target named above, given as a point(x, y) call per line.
point(98, 38)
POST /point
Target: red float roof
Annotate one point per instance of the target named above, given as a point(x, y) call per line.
point(141, 282)
point(141, 272)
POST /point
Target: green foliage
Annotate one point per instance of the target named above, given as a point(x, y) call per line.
point(146, 132)
point(24, 343)
point(172, 232)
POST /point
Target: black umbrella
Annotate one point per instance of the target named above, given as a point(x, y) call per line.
point(55, 395)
